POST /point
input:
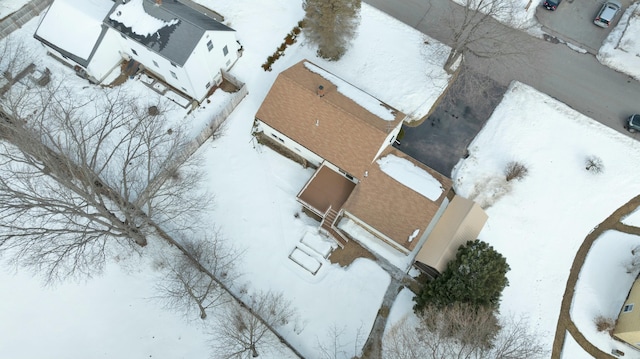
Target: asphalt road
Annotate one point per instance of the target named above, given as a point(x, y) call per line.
point(573, 22)
point(576, 79)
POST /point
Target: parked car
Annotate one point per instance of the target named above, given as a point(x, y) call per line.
point(551, 4)
point(607, 13)
point(633, 123)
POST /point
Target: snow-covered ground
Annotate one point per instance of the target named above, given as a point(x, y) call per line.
point(621, 49)
point(537, 223)
point(603, 278)
point(8, 7)
point(255, 201)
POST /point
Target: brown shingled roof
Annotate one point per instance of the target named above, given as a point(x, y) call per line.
point(392, 208)
point(332, 126)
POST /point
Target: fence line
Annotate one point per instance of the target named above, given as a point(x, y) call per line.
point(213, 125)
point(192, 146)
point(16, 20)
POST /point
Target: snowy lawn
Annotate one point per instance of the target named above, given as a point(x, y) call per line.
point(539, 222)
point(111, 316)
point(255, 200)
point(621, 49)
point(395, 65)
point(597, 294)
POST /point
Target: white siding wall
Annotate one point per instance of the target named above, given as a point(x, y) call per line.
point(147, 57)
point(381, 236)
point(107, 56)
point(204, 65)
point(290, 144)
point(59, 56)
point(202, 68)
point(390, 138)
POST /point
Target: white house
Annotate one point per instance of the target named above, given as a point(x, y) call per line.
point(73, 32)
point(183, 47)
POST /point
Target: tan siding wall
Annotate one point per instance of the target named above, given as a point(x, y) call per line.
point(461, 222)
point(628, 325)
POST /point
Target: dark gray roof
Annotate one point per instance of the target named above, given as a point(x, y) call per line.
point(175, 42)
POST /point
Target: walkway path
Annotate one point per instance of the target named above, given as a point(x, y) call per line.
point(373, 346)
point(565, 323)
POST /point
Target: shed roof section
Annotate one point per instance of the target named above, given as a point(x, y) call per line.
point(176, 27)
point(76, 38)
point(462, 221)
point(333, 126)
point(392, 208)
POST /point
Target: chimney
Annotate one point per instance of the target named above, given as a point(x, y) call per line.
point(158, 2)
point(320, 91)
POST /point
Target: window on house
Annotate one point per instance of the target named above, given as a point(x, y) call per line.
point(228, 62)
point(209, 45)
point(345, 174)
point(172, 64)
point(277, 138)
point(155, 63)
point(628, 308)
point(124, 37)
point(225, 50)
point(134, 52)
point(174, 75)
point(208, 84)
point(184, 89)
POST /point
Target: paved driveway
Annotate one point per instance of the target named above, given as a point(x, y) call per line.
point(573, 22)
point(442, 139)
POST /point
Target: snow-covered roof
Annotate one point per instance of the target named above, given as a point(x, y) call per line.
point(399, 198)
point(358, 96)
point(132, 15)
point(412, 176)
point(170, 28)
point(74, 26)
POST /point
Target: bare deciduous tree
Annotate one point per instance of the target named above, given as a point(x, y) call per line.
point(474, 31)
point(242, 332)
point(186, 286)
point(515, 171)
point(339, 345)
point(331, 24)
point(594, 164)
point(461, 332)
point(74, 173)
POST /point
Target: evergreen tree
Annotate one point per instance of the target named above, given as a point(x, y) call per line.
point(476, 276)
point(331, 24)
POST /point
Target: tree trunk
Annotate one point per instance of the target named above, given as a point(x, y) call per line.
point(203, 313)
point(452, 59)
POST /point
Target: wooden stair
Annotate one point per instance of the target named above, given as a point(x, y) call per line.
point(327, 227)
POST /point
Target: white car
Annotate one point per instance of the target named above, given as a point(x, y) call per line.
point(607, 13)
